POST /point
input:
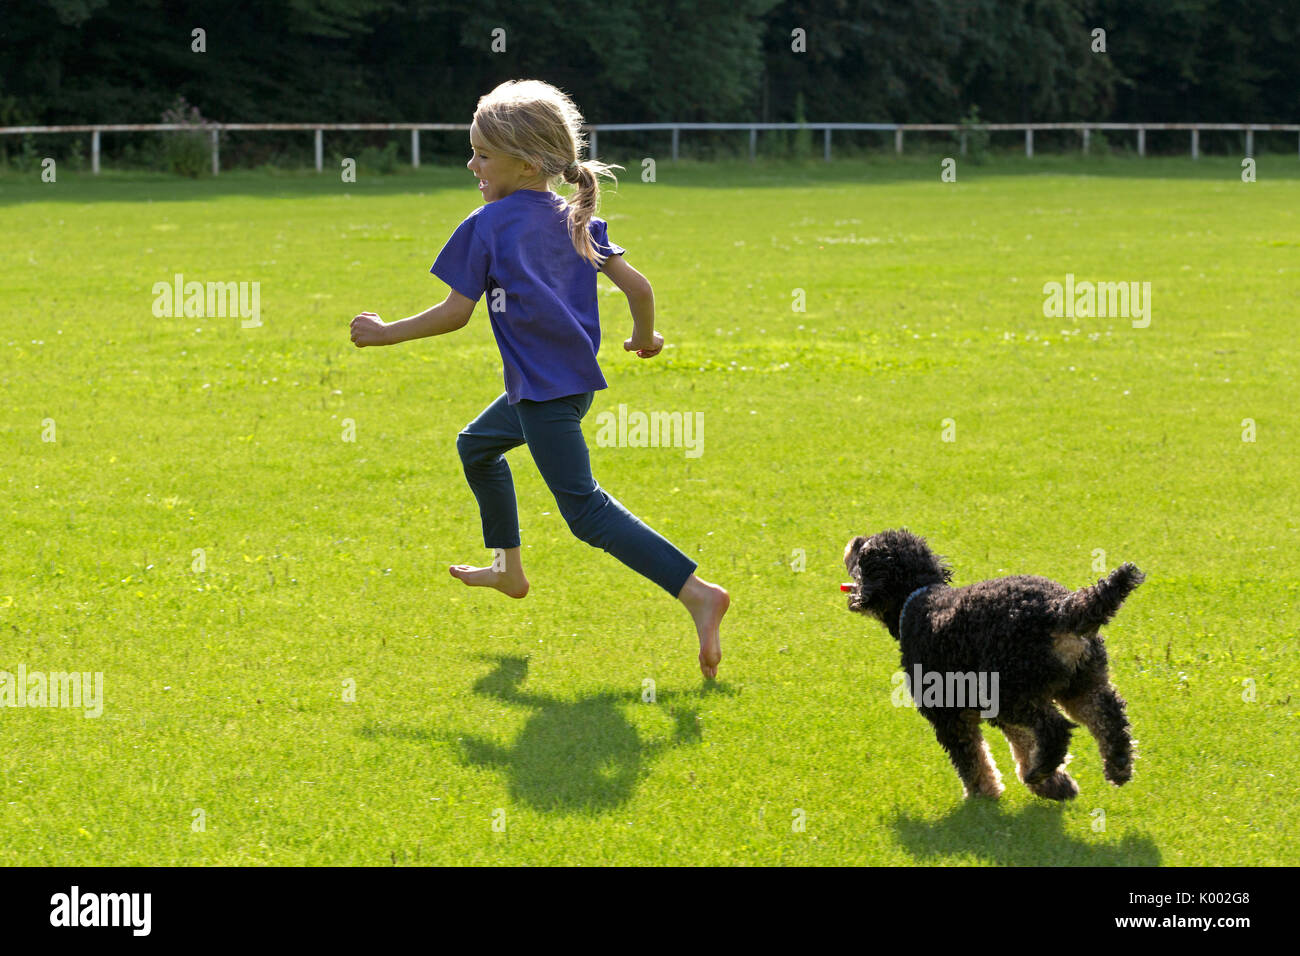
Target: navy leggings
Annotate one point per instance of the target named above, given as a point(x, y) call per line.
point(553, 432)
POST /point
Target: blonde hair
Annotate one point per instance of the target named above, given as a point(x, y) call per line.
point(538, 124)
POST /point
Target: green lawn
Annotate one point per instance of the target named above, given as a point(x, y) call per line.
point(325, 560)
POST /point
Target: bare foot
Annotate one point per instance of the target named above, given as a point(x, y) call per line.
point(505, 574)
point(707, 604)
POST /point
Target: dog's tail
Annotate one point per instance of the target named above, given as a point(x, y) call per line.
point(1089, 608)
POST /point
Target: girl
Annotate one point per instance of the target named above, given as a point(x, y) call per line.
point(536, 257)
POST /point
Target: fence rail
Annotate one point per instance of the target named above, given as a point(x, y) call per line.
point(898, 129)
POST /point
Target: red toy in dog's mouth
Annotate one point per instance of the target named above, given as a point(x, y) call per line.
point(847, 587)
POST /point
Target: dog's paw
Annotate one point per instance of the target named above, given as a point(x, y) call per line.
point(1058, 786)
point(1118, 765)
point(1119, 775)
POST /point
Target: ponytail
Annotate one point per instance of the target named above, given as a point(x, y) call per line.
point(583, 203)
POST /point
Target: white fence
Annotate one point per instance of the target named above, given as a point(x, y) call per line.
point(898, 129)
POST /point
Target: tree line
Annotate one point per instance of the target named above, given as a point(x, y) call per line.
point(126, 61)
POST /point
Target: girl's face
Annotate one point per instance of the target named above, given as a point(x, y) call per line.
point(499, 175)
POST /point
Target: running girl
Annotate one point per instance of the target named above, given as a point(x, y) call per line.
point(535, 256)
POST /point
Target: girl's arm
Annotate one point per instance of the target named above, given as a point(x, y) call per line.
point(645, 341)
point(447, 316)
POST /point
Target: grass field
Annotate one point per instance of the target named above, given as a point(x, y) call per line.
point(225, 736)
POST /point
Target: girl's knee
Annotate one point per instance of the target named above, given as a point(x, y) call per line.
point(585, 521)
point(467, 447)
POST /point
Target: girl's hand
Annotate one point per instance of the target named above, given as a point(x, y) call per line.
point(645, 349)
point(369, 329)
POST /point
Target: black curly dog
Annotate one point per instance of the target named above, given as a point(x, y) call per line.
point(1035, 638)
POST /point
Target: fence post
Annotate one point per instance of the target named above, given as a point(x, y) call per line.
point(676, 138)
point(1029, 143)
point(415, 149)
point(753, 143)
point(1196, 144)
point(591, 150)
point(898, 141)
point(320, 150)
point(1250, 141)
point(216, 154)
point(1086, 133)
point(826, 144)
point(1142, 141)
point(94, 152)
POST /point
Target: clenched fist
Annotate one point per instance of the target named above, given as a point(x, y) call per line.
point(369, 329)
point(645, 349)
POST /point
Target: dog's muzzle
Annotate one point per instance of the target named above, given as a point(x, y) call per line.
point(853, 588)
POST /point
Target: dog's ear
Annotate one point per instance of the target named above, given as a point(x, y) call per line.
point(857, 552)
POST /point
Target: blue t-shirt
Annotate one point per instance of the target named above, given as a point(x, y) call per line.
point(544, 316)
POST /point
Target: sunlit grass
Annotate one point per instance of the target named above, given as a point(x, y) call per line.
point(325, 560)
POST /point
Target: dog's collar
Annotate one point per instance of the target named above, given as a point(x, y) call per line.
point(906, 603)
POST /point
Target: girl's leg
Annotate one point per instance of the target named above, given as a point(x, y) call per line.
point(553, 431)
point(482, 446)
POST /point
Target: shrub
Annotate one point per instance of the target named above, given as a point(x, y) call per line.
point(976, 136)
point(27, 159)
point(76, 158)
point(187, 150)
point(383, 161)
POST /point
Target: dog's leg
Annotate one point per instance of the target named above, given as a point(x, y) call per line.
point(1021, 740)
point(1051, 741)
point(1101, 710)
point(959, 733)
point(1059, 786)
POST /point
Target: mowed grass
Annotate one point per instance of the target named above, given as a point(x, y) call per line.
point(325, 560)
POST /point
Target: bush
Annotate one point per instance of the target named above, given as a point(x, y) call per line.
point(187, 154)
point(76, 158)
point(383, 161)
point(976, 136)
point(146, 152)
point(187, 151)
point(28, 158)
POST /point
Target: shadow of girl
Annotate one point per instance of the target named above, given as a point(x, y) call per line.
point(572, 756)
